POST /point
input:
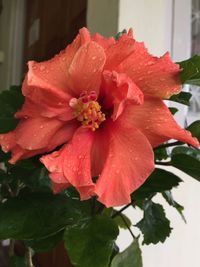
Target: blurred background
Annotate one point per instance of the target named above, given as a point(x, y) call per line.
point(38, 29)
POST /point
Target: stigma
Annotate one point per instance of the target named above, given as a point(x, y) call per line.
point(87, 110)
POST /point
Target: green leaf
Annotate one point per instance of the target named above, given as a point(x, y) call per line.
point(160, 180)
point(170, 200)
point(119, 34)
point(160, 153)
point(7, 124)
point(4, 156)
point(91, 243)
point(195, 153)
point(154, 225)
point(187, 160)
point(182, 97)
point(16, 261)
point(173, 110)
point(130, 257)
point(194, 128)
point(38, 215)
point(190, 73)
point(45, 244)
point(3, 176)
point(115, 251)
point(10, 102)
point(123, 221)
point(38, 180)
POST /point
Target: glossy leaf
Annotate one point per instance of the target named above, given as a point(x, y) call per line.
point(160, 180)
point(90, 243)
point(7, 124)
point(160, 153)
point(38, 215)
point(194, 128)
point(173, 110)
point(130, 257)
point(119, 34)
point(38, 180)
point(3, 176)
point(10, 101)
point(4, 156)
point(182, 97)
point(170, 200)
point(190, 73)
point(154, 226)
point(187, 160)
point(123, 221)
point(45, 244)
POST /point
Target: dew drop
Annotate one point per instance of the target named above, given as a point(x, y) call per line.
point(42, 67)
point(74, 169)
point(117, 171)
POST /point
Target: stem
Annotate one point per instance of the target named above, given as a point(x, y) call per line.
point(125, 222)
point(163, 163)
point(121, 210)
point(11, 247)
point(29, 258)
point(169, 144)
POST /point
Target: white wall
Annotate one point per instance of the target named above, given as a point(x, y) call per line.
point(102, 16)
point(11, 42)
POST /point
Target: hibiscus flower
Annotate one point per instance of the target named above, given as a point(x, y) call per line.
point(102, 100)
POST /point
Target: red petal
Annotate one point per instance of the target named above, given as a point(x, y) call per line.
point(154, 119)
point(154, 76)
point(57, 188)
point(41, 97)
point(53, 71)
point(36, 133)
point(129, 163)
point(84, 73)
point(118, 88)
point(73, 163)
point(7, 141)
point(118, 52)
point(63, 135)
point(32, 109)
point(104, 42)
point(46, 83)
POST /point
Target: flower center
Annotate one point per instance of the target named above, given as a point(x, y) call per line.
point(87, 110)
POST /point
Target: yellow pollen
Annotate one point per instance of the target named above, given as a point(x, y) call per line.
point(88, 112)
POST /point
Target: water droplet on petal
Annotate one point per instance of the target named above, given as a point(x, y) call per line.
point(42, 67)
point(74, 169)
